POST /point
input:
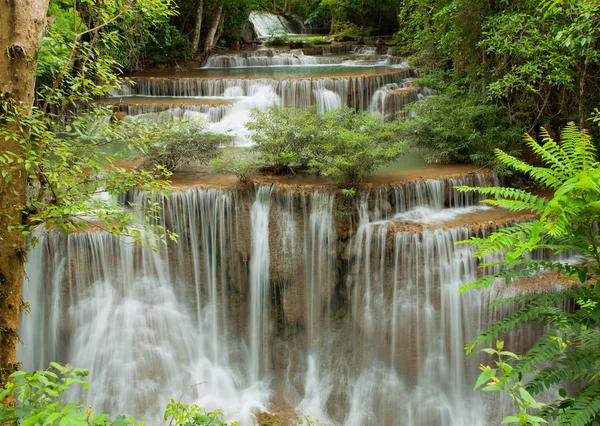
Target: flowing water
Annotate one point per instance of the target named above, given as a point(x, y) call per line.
point(225, 91)
point(299, 299)
point(287, 299)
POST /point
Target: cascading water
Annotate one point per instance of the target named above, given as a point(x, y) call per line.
point(265, 24)
point(279, 296)
point(259, 283)
point(229, 86)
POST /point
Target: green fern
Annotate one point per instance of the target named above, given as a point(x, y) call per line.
point(569, 348)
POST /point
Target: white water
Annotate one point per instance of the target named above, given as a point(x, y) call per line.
point(305, 86)
point(264, 303)
point(259, 284)
point(266, 24)
point(426, 215)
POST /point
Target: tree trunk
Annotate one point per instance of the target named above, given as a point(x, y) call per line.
point(333, 21)
point(22, 24)
point(197, 27)
point(211, 40)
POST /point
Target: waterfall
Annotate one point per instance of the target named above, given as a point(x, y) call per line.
point(265, 24)
point(263, 59)
point(259, 283)
point(327, 100)
point(346, 311)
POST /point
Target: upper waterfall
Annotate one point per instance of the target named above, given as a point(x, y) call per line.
point(266, 24)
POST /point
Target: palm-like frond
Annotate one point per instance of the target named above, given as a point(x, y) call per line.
point(570, 346)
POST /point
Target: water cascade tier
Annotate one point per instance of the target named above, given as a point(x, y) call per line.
point(289, 299)
point(229, 86)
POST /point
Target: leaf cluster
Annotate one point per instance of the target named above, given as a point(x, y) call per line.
point(41, 397)
point(568, 350)
point(344, 144)
point(183, 142)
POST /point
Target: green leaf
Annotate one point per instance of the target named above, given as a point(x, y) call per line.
point(485, 377)
point(74, 419)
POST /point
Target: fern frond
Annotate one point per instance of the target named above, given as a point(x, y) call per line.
point(505, 238)
point(511, 198)
point(541, 174)
point(573, 365)
point(551, 153)
point(579, 144)
point(584, 409)
point(525, 314)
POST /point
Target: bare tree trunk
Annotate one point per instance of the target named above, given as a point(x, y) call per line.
point(332, 28)
point(197, 27)
point(22, 24)
point(211, 40)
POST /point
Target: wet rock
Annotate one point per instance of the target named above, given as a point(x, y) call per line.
point(248, 34)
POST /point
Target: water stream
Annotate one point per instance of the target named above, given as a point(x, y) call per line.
point(273, 298)
point(293, 300)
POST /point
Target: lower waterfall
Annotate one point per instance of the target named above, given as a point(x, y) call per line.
point(273, 297)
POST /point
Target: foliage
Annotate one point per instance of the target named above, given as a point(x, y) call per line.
point(244, 167)
point(278, 39)
point(539, 60)
point(72, 159)
point(378, 14)
point(344, 144)
point(70, 166)
point(166, 43)
point(283, 136)
point(351, 145)
point(41, 400)
point(568, 350)
point(183, 142)
point(192, 415)
point(349, 193)
point(500, 379)
point(456, 126)
point(119, 29)
point(347, 31)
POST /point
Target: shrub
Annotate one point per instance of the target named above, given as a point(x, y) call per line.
point(278, 39)
point(166, 43)
point(41, 399)
point(193, 415)
point(347, 31)
point(183, 142)
point(320, 40)
point(243, 167)
point(283, 136)
point(352, 145)
point(457, 126)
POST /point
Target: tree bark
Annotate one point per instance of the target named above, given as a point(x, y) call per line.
point(22, 24)
point(197, 27)
point(211, 40)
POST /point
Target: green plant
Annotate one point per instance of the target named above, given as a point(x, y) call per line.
point(348, 31)
point(349, 193)
point(500, 379)
point(351, 145)
point(192, 415)
point(283, 136)
point(243, 167)
point(319, 40)
point(165, 43)
point(183, 142)
point(455, 125)
point(567, 352)
point(41, 397)
point(278, 39)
